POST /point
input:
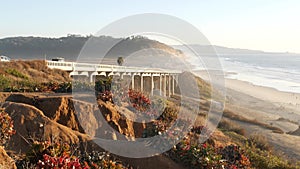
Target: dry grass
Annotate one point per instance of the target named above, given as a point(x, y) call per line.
point(34, 71)
point(260, 141)
point(231, 126)
point(231, 115)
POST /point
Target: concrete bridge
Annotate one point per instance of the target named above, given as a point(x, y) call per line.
point(150, 80)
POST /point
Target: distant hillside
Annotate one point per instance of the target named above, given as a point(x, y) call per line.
point(225, 50)
point(221, 50)
point(69, 47)
point(38, 47)
point(206, 50)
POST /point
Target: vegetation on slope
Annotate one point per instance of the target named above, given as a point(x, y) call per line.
point(28, 75)
point(70, 46)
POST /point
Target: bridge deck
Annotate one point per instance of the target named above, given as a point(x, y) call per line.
point(90, 67)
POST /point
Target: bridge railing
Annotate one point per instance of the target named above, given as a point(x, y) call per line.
point(74, 66)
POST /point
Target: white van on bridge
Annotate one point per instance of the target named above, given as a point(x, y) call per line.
point(4, 59)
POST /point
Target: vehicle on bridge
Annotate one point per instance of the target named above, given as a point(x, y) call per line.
point(58, 59)
point(4, 59)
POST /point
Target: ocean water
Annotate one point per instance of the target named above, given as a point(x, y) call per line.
point(279, 71)
point(276, 70)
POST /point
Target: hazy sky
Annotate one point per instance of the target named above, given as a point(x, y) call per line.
point(270, 25)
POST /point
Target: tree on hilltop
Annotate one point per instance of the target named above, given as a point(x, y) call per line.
point(120, 61)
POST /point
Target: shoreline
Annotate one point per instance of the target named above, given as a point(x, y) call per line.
point(270, 106)
point(266, 104)
point(264, 92)
point(285, 99)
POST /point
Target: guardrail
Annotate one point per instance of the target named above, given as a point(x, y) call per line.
point(74, 66)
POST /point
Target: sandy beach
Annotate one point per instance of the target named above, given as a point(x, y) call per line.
point(290, 100)
point(269, 106)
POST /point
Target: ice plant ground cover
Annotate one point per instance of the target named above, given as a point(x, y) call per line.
point(6, 127)
point(46, 155)
point(193, 154)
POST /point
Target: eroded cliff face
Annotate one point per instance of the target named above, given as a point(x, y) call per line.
point(6, 162)
point(58, 109)
point(61, 118)
point(32, 125)
point(39, 117)
point(83, 117)
point(91, 119)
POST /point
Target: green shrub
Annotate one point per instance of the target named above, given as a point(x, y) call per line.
point(64, 155)
point(169, 114)
point(16, 73)
point(6, 127)
point(82, 86)
point(260, 142)
point(265, 159)
point(158, 103)
point(231, 126)
point(205, 155)
point(4, 82)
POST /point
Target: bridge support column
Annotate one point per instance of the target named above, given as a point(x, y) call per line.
point(132, 82)
point(165, 85)
point(91, 78)
point(160, 81)
point(169, 85)
point(173, 85)
point(152, 85)
point(142, 82)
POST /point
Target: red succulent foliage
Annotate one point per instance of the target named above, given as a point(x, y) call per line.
point(105, 96)
point(6, 127)
point(61, 162)
point(47, 155)
point(138, 100)
point(204, 155)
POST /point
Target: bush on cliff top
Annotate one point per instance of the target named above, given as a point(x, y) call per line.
point(6, 127)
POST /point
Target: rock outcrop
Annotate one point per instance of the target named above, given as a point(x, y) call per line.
point(81, 116)
point(31, 125)
point(5, 161)
point(61, 118)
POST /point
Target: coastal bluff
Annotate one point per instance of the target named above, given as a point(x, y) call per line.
point(40, 117)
